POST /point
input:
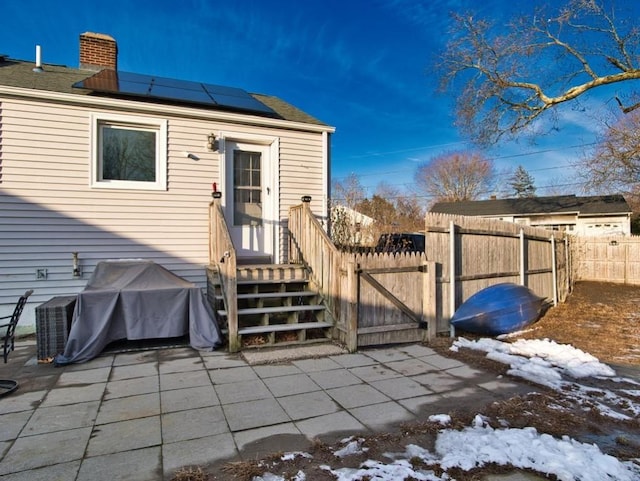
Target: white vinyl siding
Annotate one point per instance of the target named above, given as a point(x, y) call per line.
point(48, 208)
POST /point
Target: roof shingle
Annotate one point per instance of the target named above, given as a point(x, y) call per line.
point(57, 78)
point(591, 205)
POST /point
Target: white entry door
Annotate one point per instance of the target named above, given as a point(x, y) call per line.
point(250, 200)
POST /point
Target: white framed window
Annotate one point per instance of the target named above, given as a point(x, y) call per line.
point(128, 152)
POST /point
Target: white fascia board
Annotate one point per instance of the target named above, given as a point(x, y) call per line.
point(175, 111)
point(540, 214)
point(609, 214)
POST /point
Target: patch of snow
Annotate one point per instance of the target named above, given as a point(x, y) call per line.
point(565, 458)
point(544, 362)
point(291, 456)
point(300, 476)
point(353, 446)
point(572, 361)
point(443, 419)
point(632, 392)
point(480, 444)
point(376, 471)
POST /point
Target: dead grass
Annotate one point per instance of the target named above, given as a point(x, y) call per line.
point(242, 470)
point(190, 474)
point(600, 318)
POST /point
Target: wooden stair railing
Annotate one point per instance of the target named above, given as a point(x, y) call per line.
point(222, 255)
point(310, 245)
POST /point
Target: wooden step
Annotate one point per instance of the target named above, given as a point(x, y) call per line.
point(272, 295)
point(283, 328)
point(275, 310)
point(273, 271)
point(250, 282)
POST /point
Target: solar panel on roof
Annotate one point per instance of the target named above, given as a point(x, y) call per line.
point(183, 91)
point(187, 95)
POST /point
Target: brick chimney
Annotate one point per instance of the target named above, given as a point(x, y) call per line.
point(98, 51)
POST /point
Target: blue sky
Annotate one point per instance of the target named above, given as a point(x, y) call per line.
point(364, 67)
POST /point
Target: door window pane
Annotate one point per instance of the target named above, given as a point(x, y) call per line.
point(247, 188)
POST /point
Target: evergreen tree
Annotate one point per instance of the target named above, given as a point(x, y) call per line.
point(522, 183)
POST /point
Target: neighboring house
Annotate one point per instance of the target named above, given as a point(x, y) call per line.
point(100, 164)
point(351, 227)
point(587, 216)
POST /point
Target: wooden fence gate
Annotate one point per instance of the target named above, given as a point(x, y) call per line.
point(389, 299)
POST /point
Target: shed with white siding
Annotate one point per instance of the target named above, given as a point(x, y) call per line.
point(68, 183)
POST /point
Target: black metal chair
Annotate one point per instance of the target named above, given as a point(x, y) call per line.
point(9, 336)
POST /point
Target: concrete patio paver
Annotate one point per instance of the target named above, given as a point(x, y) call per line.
point(357, 395)
point(409, 367)
point(254, 414)
point(85, 376)
point(388, 355)
point(314, 365)
point(289, 385)
point(188, 398)
point(338, 422)
point(125, 387)
point(307, 405)
point(132, 371)
point(242, 391)
point(74, 394)
point(29, 452)
point(375, 372)
point(400, 388)
point(62, 471)
point(273, 370)
point(233, 375)
point(353, 360)
point(125, 436)
point(131, 407)
point(138, 465)
point(143, 415)
point(127, 359)
point(59, 418)
point(184, 364)
point(335, 378)
point(13, 423)
point(192, 424)
point(439, 381)
point(441, 362)
point(181, 380)
point(418, 404)
point(383, 416)
point(21, 401)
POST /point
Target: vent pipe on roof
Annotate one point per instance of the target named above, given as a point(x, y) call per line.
point(38, 67)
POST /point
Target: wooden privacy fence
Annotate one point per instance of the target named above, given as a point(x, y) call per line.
point(610, 259)
point(373, 298)
point(385, 299)
point(472, 253)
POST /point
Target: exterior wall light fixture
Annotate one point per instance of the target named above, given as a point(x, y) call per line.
point(212, 143)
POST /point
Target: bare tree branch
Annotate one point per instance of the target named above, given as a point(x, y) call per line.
point(505, 80)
